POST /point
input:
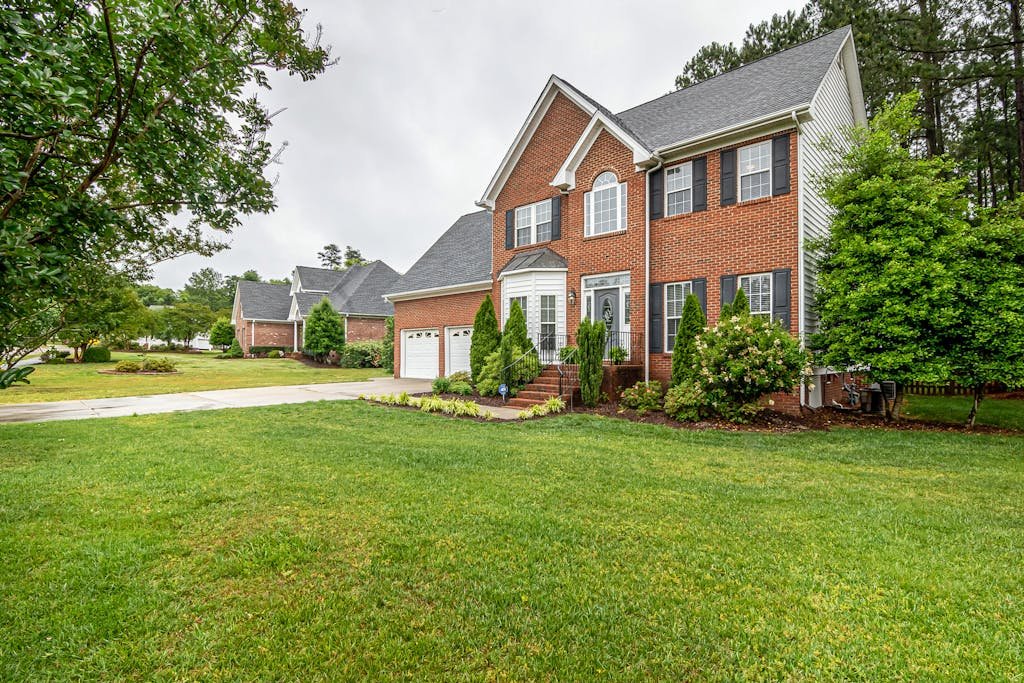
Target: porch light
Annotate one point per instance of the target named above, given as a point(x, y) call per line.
point(572, 297)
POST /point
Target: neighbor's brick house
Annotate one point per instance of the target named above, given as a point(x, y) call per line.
point(274, 315)
point(705, 190)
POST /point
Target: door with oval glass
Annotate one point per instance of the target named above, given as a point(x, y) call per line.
point(607, 303)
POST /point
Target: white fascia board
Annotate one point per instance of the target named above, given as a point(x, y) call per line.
point(502, 276)
point(554, 86)
point(762, 125)
point(478, 286)
point(565, 179)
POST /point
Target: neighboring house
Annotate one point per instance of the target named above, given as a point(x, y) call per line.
point(274, 315)
point(619, 216)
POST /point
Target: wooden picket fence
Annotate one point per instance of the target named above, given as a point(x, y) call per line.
point(950, 389)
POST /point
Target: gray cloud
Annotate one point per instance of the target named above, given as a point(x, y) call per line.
point(398, 139)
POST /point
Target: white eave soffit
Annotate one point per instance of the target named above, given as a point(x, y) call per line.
point(565, 179)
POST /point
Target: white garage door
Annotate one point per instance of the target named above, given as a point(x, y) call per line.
point(457, 349)
point(419, 353)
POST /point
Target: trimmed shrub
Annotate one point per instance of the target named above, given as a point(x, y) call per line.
point(387, 352)
point(158, 365)
point(127, 366)
point(684, 351)
point(275, 354)
point(642, 396)
point(441, 385)
point(461, 388)
point(590, 337)
point(325, 331)
point(485, 339)
point(367, 354)
point(96, 354)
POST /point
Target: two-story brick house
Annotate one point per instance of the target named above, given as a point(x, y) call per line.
point(707, 190)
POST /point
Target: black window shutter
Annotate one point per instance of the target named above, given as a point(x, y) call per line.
point(780, 297)
point(556, 217)
point(700, 184)
point(780, 165)
point(728, 291)
point(656, 209)
point(728, 188)
point(510, 229)
point(700, 290)
point(657, 318)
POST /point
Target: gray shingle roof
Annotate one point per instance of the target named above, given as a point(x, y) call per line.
point(538, 258)
point(261, 301)
point(775, 83)
point(320, 279)
point(459, 256)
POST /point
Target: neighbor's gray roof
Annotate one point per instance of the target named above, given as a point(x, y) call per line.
point(358, 291)
point(775, 83)
point(320, 279)
point(538, 258)
point(459, 256)
point(261, 301)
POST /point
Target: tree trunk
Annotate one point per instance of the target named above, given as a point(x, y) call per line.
point(1018, 87)
point(979, 394)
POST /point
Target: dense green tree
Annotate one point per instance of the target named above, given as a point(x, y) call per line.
point(486, 336)
point(684, 351)
point(119, 117)
point(886, 283)
point(221, 333)
point(325, 331)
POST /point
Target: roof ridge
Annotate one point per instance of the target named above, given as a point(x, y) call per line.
point(847, 27)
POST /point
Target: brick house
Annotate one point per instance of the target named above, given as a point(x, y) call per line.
point(705, 190)
point(274, 315)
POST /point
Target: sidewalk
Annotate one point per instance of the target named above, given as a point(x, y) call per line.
point(205, 400)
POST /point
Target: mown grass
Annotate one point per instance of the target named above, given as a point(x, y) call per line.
point(342, 541)
point(1002, 413)
point(199, 372)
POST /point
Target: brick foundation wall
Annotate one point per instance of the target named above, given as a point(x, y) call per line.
point(364, 329)
point(454, 310)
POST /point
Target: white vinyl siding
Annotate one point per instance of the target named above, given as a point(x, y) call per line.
point(675, 297)
point(758, 289)
point(755, 163)
point(679, 189)
point(533, 223)
point(604, 207)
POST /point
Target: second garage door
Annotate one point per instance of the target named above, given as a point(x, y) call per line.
point(419, 353)
point(457, 349)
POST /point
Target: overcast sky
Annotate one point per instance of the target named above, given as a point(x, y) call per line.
point(402, 135)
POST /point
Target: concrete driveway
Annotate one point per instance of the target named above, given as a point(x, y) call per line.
point(206, 400)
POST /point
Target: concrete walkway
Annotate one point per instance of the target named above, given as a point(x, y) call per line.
point(208, 400)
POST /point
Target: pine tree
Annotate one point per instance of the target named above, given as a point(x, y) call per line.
point(684, 352)
point(325, 331)
point(486, 337)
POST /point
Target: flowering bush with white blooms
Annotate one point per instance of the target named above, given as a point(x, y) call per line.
point(739, 361)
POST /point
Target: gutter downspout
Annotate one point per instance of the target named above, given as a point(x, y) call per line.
point(647, 266)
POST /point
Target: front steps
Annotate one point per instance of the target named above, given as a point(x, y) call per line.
point(541, 389)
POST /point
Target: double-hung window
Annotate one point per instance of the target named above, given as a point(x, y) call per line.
point(547, 322)
point(758, 289)
point(756, 171)
point(533, 223)
point(675, 297)
point(604, 207)
point(679, 189)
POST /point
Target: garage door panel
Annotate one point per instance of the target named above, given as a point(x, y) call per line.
point(420, 349)
point(457, 345)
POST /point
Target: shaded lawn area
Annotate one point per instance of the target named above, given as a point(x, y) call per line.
point(1003, 413)
point(347, 541)
point(199, 372)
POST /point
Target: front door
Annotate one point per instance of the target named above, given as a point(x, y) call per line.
point(607, 303)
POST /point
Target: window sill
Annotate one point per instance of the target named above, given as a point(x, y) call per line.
point(604, 234)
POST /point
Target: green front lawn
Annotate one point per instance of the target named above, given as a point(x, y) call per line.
point(351, 541)
point(199, 372)
point(1003, 413)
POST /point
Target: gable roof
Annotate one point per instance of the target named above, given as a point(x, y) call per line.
point(318, 279)
point(538, 259)
point(359, 290)
point(777, 83)
point(459, 257)
point(260, 301)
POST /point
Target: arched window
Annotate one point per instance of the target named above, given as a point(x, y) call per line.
point(604, 207)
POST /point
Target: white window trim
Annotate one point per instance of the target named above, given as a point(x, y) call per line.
point(771, 292)
point(740, 174)
point(689, 187)
point(664, 300)
point(621, 214)
point(533, 223)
